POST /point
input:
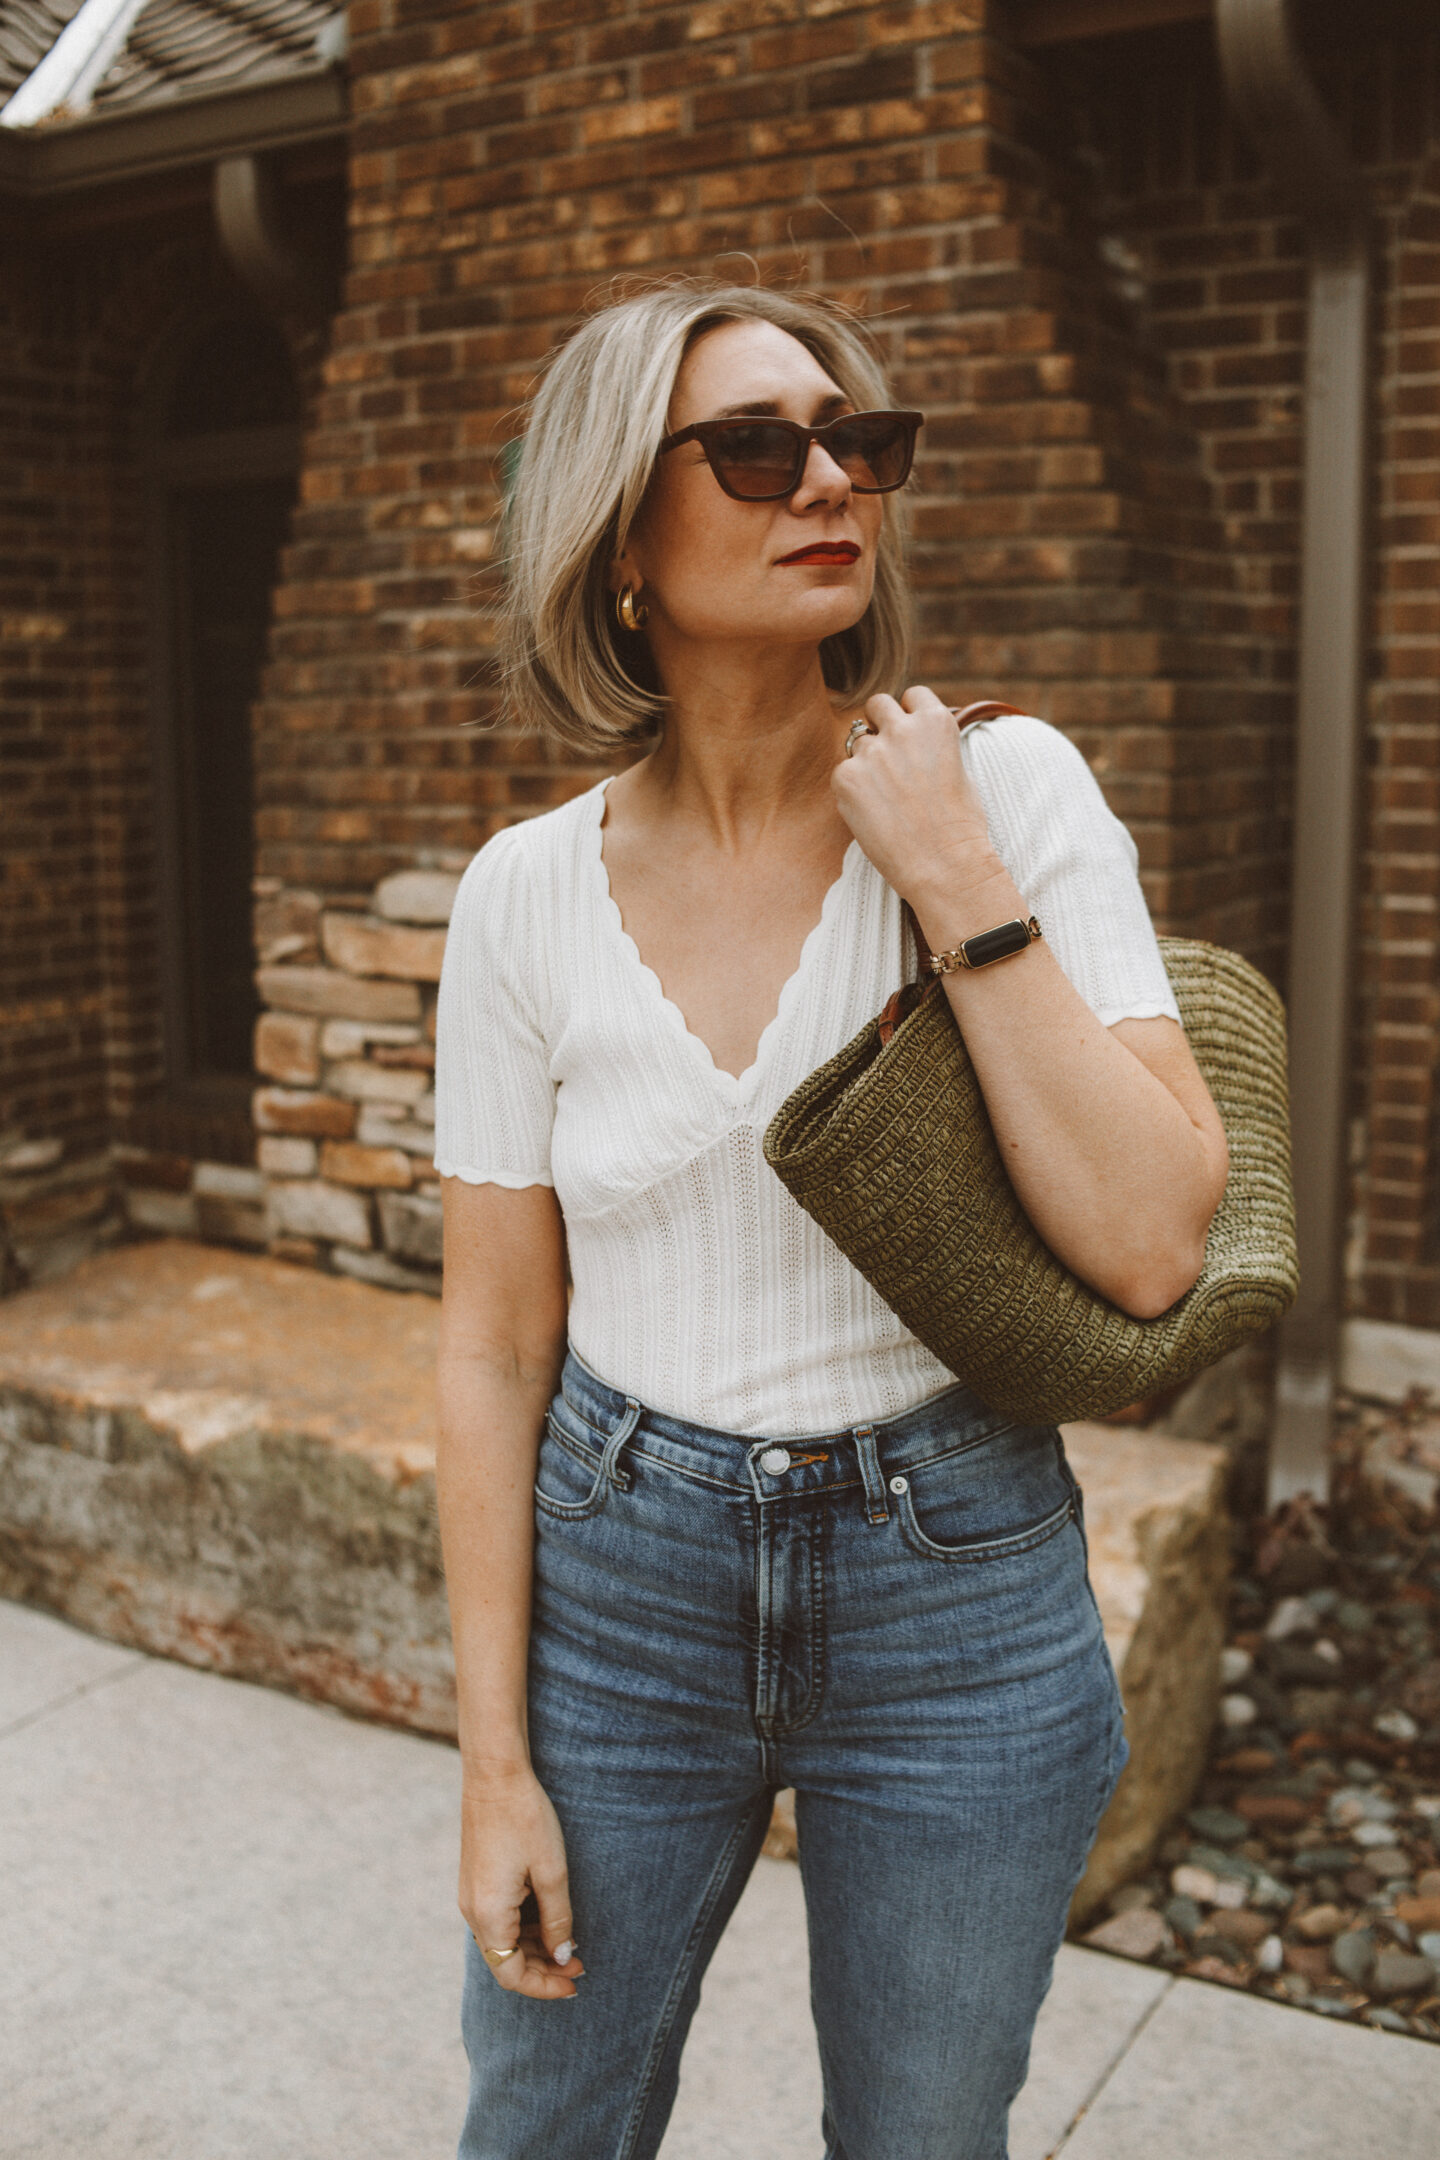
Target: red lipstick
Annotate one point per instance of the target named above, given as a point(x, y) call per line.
point(825, 551)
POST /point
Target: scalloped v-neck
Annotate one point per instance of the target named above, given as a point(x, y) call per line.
point(734, 1086)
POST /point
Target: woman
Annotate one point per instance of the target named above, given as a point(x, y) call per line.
point(749, 1533)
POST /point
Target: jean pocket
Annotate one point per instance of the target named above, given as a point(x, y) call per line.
point(987, 1503)
point(569, 1477)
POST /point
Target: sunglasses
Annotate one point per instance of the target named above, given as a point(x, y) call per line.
point(764, 460)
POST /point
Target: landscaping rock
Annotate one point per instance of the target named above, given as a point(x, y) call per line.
point(1400, 1972)
point(1248, 1929)
point(1183, 1915)
point(1353, 1956)
point(1219, 1824)
point(1321, 1923)
point(1137, 1934)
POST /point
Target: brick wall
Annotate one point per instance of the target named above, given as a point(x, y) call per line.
point(1217, 282)
point(69, 697)
point(508, 166)
point(93, 296)
point(1071, 263)
point(58, 610)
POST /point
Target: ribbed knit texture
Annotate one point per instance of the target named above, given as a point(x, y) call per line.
point(701, 1287)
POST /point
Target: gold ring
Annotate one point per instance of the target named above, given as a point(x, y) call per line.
point(496, 1957)
point(857, 729)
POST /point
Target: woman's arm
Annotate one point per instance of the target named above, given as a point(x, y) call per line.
point(502, 1339)
point(1111, 1140)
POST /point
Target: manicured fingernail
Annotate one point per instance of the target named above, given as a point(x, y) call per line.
point(564, 1952)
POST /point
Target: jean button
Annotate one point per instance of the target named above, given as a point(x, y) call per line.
point(899, 1484)
point(775, 1460)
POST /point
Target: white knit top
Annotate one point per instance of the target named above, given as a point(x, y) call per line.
point(700, 1287)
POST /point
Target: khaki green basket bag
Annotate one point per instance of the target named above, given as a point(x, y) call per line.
point(889, 1148)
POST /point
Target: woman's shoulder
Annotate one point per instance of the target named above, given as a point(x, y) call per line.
point(1044, 806)
point(1024, 768)
point(537, 849)
point(1022, 743)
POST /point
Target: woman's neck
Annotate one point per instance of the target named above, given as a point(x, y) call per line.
point(742, 746)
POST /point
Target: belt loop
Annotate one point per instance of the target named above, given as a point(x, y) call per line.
point(877, 1507)
point(610, 1460)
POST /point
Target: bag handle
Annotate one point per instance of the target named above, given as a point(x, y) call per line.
point(903, 1003)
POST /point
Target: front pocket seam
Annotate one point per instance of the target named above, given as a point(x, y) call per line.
point(986, 1549)
point(571, 1510)
point(581, 1419)
point(570, 1438)
point(962, 1447)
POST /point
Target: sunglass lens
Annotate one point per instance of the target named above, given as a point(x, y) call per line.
point(757, 460)
point(873, 450)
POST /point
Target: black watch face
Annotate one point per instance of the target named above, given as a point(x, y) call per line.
point(997, 944)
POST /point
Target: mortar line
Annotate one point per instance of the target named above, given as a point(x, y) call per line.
point(1109, 2070)
point(62, 1702)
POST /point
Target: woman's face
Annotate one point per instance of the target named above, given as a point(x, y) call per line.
point(713, 570)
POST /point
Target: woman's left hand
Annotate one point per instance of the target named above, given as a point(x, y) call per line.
point(905, 795)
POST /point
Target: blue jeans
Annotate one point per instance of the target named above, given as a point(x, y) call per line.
point(896, 1620)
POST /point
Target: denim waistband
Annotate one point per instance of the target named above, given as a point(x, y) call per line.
point(611, 1424)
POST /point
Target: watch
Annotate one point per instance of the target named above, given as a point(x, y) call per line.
point(988, 946)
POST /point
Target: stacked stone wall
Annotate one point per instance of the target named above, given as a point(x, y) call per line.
point(346, 1048)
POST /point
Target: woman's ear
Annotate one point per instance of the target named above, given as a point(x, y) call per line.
point(623, 571)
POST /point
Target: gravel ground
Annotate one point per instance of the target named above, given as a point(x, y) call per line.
point(1308, 1868)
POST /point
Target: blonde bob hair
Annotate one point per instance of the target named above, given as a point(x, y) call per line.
point(595, 428)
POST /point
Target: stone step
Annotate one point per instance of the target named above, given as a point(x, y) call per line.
point(230, 1460)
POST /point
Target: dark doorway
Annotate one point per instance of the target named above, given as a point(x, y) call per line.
point(226, 542)
point(225, 462)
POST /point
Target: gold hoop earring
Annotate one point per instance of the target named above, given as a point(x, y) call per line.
point(629, 616)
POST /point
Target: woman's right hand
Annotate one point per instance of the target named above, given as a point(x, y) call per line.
point(512, 1846)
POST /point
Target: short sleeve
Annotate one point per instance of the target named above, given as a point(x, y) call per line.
point(1074, 862)
point(494, 1097)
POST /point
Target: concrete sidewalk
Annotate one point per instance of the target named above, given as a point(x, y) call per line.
point(227, 1930)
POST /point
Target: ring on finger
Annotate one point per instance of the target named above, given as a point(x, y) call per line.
point(496, 1958)
point(857, 729)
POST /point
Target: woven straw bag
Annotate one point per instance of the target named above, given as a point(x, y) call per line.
point(889, 1148)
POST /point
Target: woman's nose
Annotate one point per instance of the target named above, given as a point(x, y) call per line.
point(822, 480)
